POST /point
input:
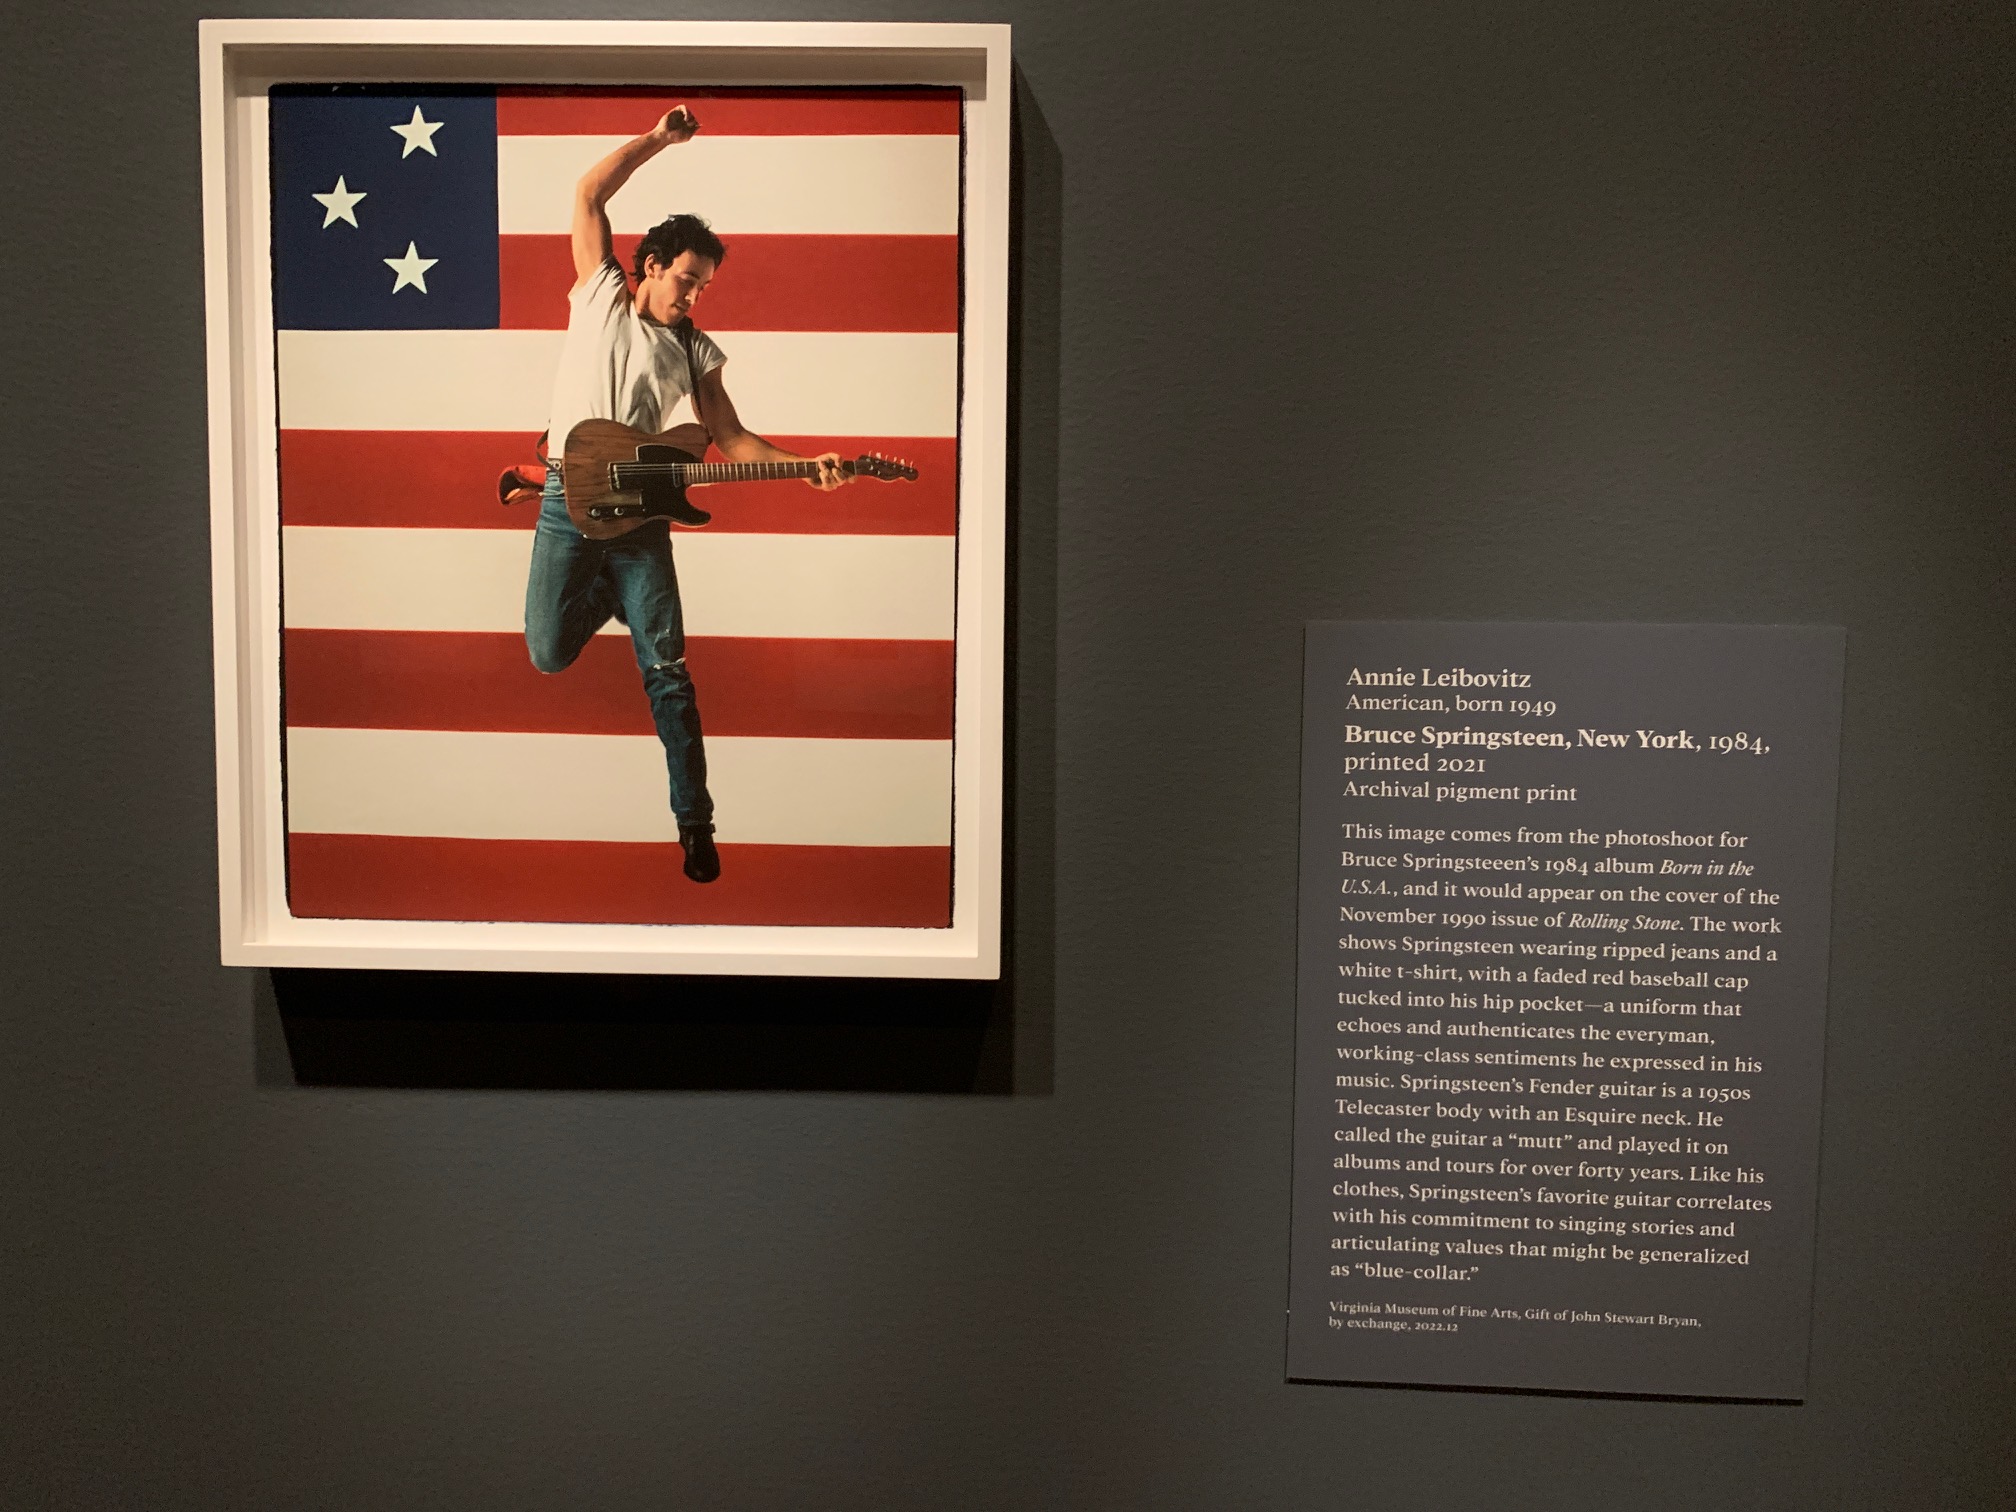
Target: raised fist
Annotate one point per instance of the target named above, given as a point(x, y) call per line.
point(679, 124)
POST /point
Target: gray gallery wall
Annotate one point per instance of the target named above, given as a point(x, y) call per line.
point(1566, 310)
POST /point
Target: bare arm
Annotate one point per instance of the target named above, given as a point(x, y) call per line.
point(590, 227)
point(740, 444)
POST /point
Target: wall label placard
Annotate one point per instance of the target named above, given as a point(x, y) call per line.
point(1563, 947)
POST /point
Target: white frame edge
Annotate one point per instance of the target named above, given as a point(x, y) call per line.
point(238, 58)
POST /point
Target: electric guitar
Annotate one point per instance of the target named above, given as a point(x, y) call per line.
point(618, 477)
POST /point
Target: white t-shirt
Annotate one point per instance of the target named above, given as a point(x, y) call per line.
point(616, 365)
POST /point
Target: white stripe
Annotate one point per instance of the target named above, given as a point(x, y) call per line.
point(772, 185)
point(793, 383)
point(815, 586)
point(495, 786)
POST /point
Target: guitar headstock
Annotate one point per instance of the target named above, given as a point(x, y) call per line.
point(888, 469)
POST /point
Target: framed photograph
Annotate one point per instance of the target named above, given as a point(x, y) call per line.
point(608, 441)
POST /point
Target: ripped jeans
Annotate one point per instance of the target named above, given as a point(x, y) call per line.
point(576, 584)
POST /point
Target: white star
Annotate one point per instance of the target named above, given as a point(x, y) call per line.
point(418, 132)
point(412, 269)
point(340, 203)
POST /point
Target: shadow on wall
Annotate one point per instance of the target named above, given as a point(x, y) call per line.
point(533, 1031)
point(537, 1030)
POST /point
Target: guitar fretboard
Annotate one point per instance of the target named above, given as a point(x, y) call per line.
point(627, 475)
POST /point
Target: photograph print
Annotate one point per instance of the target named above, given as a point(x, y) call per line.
point(618, 482)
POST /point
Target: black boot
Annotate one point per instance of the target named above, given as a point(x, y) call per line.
point(703, 862)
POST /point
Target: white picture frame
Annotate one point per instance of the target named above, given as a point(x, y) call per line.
point(240, 60)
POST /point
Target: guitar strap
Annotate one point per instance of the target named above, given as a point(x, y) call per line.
point(692, 375)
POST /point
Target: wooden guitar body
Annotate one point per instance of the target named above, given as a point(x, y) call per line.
point(604, 506)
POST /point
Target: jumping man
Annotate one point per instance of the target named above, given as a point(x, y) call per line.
point(630, 355)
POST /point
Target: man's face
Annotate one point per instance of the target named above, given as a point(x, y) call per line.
point(668, 292)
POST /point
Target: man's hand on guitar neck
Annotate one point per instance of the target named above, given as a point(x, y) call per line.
point(831, 474)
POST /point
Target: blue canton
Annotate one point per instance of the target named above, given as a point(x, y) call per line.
point(422, 252)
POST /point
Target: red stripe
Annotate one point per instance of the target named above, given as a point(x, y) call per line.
point(731, 112)
point(447, 480)
point(611, 882)
point(766, 283)
point(454, 680)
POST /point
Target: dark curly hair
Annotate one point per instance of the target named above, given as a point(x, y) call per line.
point(673, 235)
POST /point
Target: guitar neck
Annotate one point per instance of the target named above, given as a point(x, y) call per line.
point(691, 474)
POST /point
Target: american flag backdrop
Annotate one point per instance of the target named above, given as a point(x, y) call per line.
point(420, 273)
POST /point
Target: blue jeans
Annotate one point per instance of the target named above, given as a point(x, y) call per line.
point(576, 584)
